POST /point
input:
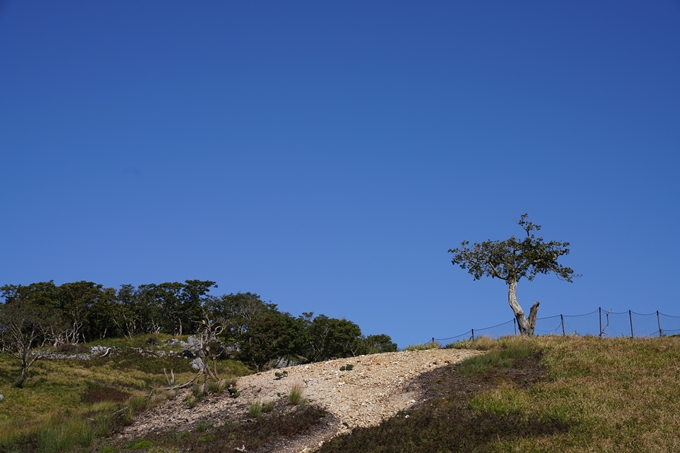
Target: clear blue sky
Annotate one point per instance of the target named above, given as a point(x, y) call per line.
point(326, 155)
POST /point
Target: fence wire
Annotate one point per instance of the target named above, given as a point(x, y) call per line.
point(604, 323)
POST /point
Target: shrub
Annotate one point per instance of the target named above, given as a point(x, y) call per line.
point(255, 409)
point(233, 392)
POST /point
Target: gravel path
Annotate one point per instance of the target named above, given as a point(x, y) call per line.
point(377, 388)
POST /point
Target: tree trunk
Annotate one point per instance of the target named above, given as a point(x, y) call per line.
point(532, 316)
point(25, 364)
point(20, 382)
point(526, 326)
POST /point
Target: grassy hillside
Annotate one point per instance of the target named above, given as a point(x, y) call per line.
point(67, 404)
point(545, 394)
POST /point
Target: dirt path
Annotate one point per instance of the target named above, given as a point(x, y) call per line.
point(377, 388)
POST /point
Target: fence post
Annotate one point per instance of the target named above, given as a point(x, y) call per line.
point(658, 322)
point(599, 309)
point(562, 318)
point(473, 334)
point(630, 315)
point(514, 325)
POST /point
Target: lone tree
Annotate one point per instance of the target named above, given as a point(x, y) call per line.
point(25, 328)
point(512, 259)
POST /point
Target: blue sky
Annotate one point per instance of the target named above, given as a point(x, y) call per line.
point(326, 155)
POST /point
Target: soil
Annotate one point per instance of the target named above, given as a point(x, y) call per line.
point(377, 388)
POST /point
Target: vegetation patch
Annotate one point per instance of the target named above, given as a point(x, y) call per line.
point(295, 395)
point(261, 433)
point(422, 347)
point(547, 394)
point(98, 393)
point(68, 405)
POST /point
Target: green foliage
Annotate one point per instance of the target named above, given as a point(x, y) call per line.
point(376, 344)
point(233, 391)
point(348, 367)
point(242, 326)
point(330, 337)
point(91, 311)
point(271, 334)
point(513, 259)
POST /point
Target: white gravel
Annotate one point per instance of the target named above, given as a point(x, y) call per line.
point(377, 388)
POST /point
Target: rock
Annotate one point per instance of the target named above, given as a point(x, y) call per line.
point(2, 397)
point(197, 364)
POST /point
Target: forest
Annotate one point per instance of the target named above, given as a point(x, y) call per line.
point(247, 328)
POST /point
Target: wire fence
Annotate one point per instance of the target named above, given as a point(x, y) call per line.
point(603, 323)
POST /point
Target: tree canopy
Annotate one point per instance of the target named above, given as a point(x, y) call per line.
point(250, 329)
point(513, 259)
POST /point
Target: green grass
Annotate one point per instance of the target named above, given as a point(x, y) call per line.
point(68, 404)
point(502, 354)
point(545, 394)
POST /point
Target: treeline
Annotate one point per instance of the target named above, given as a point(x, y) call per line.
point(255, 331)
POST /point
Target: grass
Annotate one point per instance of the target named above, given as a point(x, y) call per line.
point(295, 395)
point(255, 409)
point(544, 394)
point(69, 404)
point(483, 343)
point(422, 347)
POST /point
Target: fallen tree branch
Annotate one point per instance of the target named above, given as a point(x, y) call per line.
point(186, 384)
